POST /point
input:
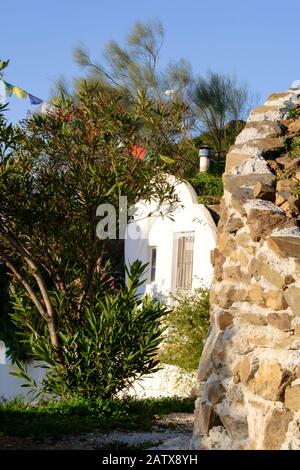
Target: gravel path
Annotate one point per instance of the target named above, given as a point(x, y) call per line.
point(172, 432)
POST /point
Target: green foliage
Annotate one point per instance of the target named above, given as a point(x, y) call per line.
point(188, 325)
point(296, 189)
point(54, 173)
point(134, 67)
point(3, 65)
point(294, 113)
point(219, 104)
point(227, 135)
point(55, 419)
point(115, 343)
point(292, 146)
point(208, 186)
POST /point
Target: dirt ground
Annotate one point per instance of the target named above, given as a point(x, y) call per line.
point(172, 432)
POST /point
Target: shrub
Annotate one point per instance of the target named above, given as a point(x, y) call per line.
point(188, 324)
point(208, 186)
point(294, 113)
point(292, 145)
point(115, 343)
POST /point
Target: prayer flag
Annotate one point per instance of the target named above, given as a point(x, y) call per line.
point(8, 88)
point(34, 99)
point(19, 93)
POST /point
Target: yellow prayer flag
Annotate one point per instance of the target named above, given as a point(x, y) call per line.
point(19, 92)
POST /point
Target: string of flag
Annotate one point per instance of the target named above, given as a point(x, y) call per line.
point(20, 93)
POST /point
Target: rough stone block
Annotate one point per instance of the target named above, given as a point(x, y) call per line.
point(255, 268)
point(280, 98)
point(246, 368)
point(260, 267)
point(255, 294)
point(232, 273)
point(240, 198)
point(224, 319)
point(268, 424)
point(234, 419)
point(233, 224)
point(276, 426)
point(281, 197)
point(294, 204)
point(263, 217)
point(267, 113)
point(226, 244)
point(233, 183)
point(264, 191)
point(205, 364)
point(214, 391)
point(275, 300)
point(242, 258)
point(205, 417)
point(229, 294)
point(292, 296)
point(259, 130)
point(217, 260)
point(286, 184)
point(292, 397)
point(283, 160)
point(285, 246)
point(234, 159)
point(272, 275)
point(294, 127)
point(253, 318)
point(293, 165)
point(282, 321)
point(297, 371)
point(267, 381)
point(257, 165)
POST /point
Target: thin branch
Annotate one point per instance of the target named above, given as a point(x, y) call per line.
point(25, 284)
point(101, 70)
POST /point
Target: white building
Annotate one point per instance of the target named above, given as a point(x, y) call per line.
point(11, 386)
point(177, 247)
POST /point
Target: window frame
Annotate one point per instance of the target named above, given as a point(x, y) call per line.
point(183, 266)
point(153, 265)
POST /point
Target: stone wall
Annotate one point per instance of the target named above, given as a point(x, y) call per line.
point(249, 374)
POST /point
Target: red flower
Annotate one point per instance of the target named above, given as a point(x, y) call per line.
point(138, 152)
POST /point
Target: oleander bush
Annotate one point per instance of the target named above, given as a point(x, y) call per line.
point(188, 324)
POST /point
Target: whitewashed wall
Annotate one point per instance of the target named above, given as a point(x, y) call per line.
point(161, 232)
point(170, 381)
point(10, 386)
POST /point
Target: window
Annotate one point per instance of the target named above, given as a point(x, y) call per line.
point(184, 269)
point(153, 251)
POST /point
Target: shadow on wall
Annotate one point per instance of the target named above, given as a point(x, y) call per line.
point(155, 291)
point(10, 386)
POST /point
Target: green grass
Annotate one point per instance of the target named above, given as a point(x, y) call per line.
point(56, 419)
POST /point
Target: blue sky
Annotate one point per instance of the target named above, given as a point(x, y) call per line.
point(258, 40)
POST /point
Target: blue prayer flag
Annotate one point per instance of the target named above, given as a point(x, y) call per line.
point(34, 99)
